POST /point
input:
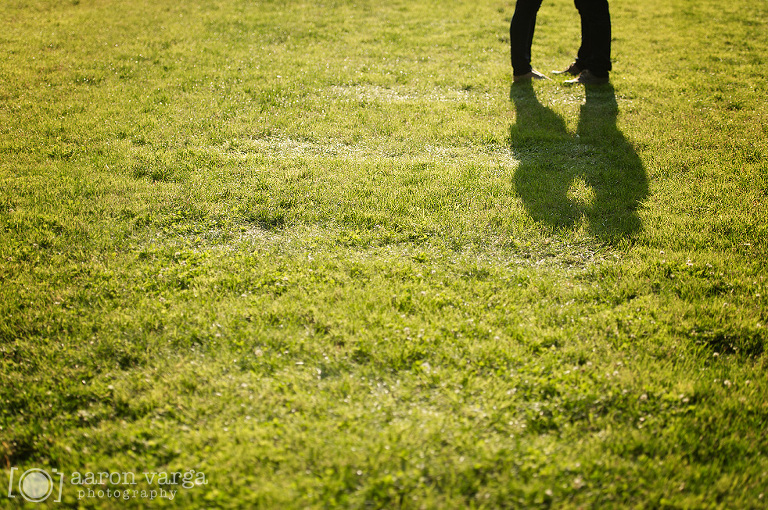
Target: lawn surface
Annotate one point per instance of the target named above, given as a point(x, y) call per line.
point(326, 255)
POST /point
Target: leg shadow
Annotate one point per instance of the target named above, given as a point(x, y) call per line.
point(592, 178)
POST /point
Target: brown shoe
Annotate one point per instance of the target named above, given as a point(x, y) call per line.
point(532, 75)
point(573, 70)
point(587, 78)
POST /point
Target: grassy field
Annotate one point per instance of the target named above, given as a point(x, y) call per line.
point(326, 255)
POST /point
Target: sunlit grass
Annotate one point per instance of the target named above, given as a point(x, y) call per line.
point(325, 254)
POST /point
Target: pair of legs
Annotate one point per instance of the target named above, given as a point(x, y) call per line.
point(595, 51)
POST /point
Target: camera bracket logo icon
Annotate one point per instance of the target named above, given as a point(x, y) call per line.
point(36, 485)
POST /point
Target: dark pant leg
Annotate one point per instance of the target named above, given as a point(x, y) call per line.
point(595, 51)
point(521, 34)
point(582, 57)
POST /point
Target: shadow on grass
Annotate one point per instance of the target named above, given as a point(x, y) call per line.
point(593, 177)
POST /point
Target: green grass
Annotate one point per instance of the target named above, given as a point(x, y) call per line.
point(325, 254)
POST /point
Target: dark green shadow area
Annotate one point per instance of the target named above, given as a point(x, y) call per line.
point(595, 174)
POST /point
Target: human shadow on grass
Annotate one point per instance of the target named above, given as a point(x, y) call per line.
point(593, 177)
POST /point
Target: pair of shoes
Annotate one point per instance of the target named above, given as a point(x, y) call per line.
point(573, 70)
point(531, 75)
point(587, 78)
